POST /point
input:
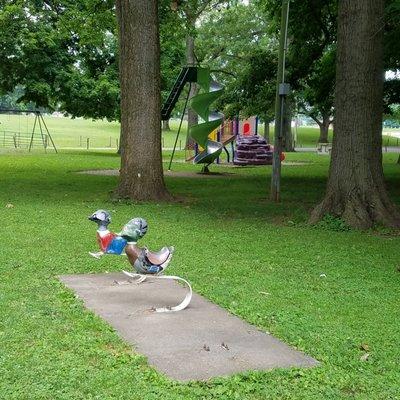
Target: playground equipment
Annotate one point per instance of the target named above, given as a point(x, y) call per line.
point(248, 126)
point(39, 135)
point(214, 134)
point(208, 150)
point(145, 262)
point(252, 150)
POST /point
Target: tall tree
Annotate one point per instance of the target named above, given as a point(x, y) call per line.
point(172, 43)
point(243, 60)
point(315, 97)
point(310, 57)
point(356, 189)
point(139, 64)
point(252, 91)
point(64, 54)
point(191, 11)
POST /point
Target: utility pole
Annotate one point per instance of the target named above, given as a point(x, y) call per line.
point(282, 90)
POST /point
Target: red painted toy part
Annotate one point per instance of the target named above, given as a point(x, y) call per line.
point(104, 240)
point(282, 156)
point(246, 129)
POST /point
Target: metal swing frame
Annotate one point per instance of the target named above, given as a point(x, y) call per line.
point(38, 122)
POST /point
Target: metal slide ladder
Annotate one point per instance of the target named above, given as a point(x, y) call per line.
point(187, 74)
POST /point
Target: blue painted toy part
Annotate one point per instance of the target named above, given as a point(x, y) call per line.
point(116, 246)
point(154, 269)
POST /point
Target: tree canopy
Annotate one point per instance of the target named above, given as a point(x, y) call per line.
point(65, 56)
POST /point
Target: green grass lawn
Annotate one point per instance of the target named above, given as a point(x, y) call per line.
point(74, 133)
point(332, 293)
point(66, 132)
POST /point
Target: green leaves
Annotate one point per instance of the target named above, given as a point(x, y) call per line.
point(65, 54)
point(234, 42)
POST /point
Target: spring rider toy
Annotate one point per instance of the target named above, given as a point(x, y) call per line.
point(145, 262)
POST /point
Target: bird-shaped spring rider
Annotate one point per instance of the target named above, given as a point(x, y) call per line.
point(144, 262)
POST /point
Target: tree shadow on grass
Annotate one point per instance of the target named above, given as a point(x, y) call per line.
point(88, 153)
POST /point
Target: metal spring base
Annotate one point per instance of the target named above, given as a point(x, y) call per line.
point(139, 278)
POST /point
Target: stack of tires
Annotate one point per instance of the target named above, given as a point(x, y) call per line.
point(252, 150)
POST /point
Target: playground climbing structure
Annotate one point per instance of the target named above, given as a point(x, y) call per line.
point(213, 134)
point(187, 75)
point(207, 150)
point(210, 91)
point(252, 150)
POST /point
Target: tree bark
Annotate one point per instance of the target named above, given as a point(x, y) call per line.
point(356, 190)
point(324, 128)
point(287, 127)
point(165, 126)
point(266, 131)
point(141, 176)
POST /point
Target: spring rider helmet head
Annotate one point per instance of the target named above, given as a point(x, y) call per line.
point(101, 217)
point(134, 230)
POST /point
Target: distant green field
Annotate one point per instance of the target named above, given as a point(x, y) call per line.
point(66, 132)
point(79, 132)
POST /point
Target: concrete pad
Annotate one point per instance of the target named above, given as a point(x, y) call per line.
point(198, 343)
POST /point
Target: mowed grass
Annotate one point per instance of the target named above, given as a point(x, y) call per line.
point(66, 132)
point(81, 133)
point(75, 132)
point(331, 293)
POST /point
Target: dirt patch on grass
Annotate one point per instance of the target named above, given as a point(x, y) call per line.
point(101, 172)
point(296, 162)
point(190, 174)
point(175, 174)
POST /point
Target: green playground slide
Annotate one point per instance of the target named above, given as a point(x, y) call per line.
point(209, 92)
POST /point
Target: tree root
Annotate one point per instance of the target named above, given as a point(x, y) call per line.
point(358, 211)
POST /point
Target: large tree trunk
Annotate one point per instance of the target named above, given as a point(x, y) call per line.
point(356, 190)
point(287, 126)
point(141, 163)
point(266, 130)
point(165, 126)
point(324, 128)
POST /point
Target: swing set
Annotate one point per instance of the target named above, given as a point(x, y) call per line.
point(38, 136)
